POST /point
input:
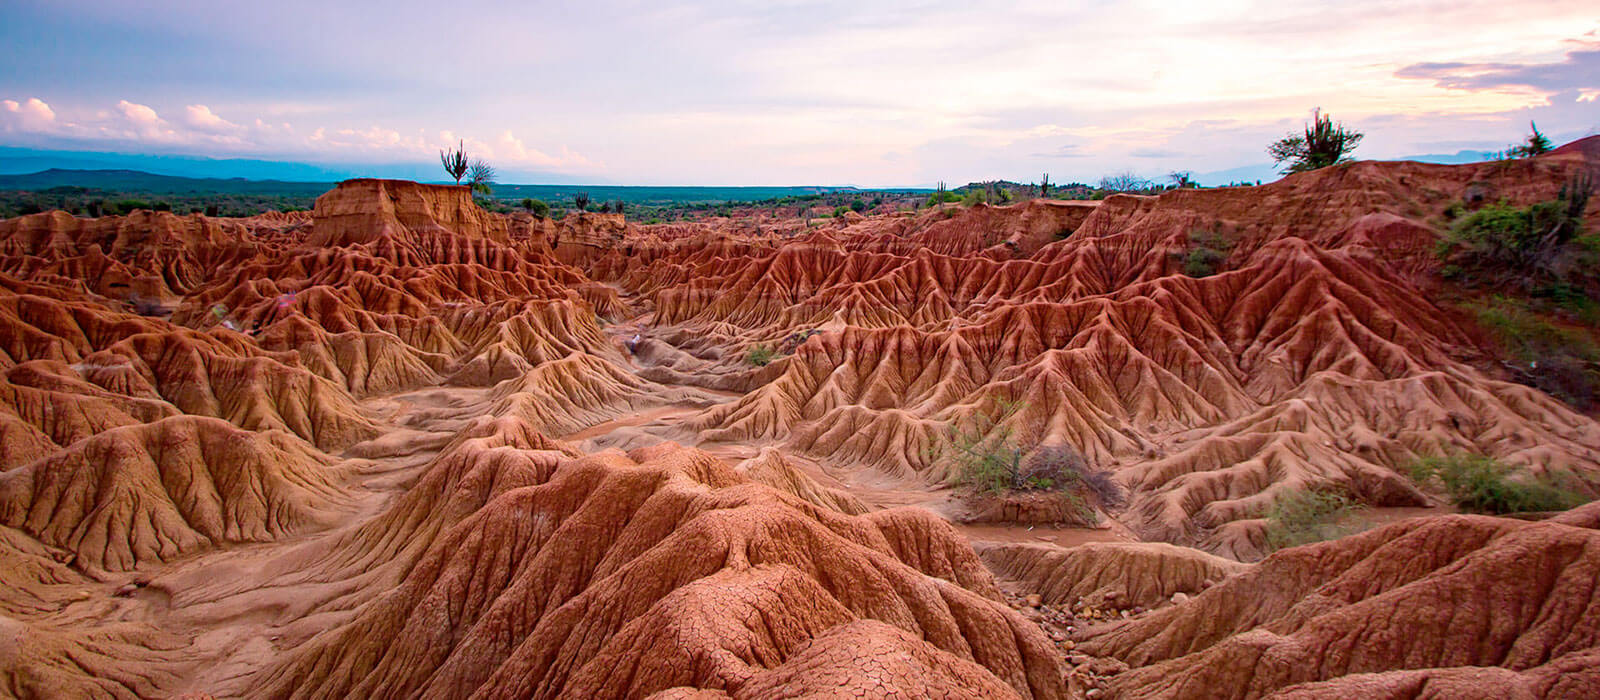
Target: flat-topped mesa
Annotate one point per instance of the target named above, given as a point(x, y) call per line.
point(366, 210)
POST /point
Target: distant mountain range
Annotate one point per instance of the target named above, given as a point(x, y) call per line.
point(33, 169)
point(138, 182)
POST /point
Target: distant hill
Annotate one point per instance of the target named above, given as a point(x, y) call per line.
point(136, 181)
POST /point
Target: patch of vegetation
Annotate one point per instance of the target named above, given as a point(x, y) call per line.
point(942, 196)
point(1535, 144)
point(760, 354)
point(1324, 143)
point(1560, 361)
point(1535, 267)
point(536, 207)
point(1481, 484)
point(1208, 250)
point(1312, 515)
point(97, 202)
point(992, 460)
point(1526, 247)
point(1125, 181)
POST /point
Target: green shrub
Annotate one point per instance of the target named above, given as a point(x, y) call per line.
point(1481, 484)
point(1303, 517)
point(536, 207)
point(990, 459)
point(760, 355)
point(1525, 247)
point(1208, 250)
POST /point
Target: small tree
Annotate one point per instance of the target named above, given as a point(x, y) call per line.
point(1044, 185)
point(616, 205)
point(455, 162)
point(536, 207)
point(1324, 143)
point(1124, 181)
point(1536, 144)
point(1182, 180)
point(481, 176)
point(580, 201)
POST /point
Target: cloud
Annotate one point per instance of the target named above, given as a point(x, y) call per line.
point(509, 147)
point(33, 114)
point(201, 117)
point(1580, 70)
point(139, 115)
point(201, 131)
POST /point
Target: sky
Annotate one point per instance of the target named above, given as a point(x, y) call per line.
point(790, 92)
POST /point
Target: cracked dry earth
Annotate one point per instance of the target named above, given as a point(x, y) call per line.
point(403, 447)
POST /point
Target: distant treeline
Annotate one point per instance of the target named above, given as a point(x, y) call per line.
point(148, 183)
point(108, 192)
point(115, 192)
point(662, 196)
point(88, 201)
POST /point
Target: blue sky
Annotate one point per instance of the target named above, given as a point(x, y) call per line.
point(785, 91)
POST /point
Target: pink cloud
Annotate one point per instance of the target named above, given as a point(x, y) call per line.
point(201, 117)
point(33, 114)
point(201, 130)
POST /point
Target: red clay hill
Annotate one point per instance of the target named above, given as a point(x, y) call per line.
point(406, 447)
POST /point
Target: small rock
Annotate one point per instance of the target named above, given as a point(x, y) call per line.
point(1057, 636)
point(1069, 645)
point(1094, 693)
point(126, 590)
point(1180, 598)
point(1034, 600)
point(1077, 659)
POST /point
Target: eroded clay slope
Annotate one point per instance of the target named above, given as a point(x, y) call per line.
point(1463, 606)
point(624, 575)
point(1314, 358)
